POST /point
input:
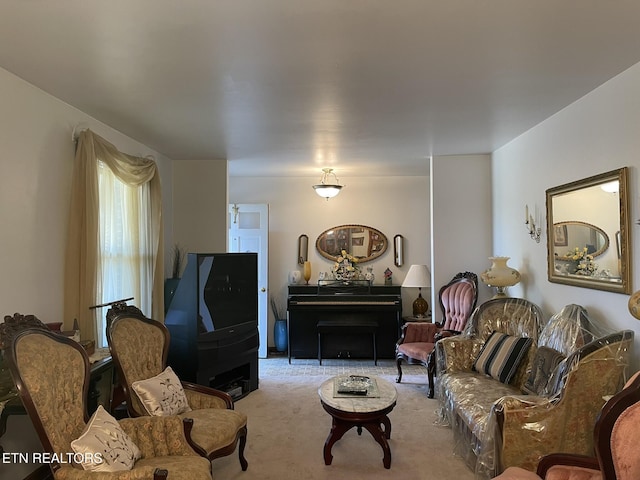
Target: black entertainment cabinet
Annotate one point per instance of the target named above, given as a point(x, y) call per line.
point(213, 322)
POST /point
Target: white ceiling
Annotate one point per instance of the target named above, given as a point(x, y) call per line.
point(285, 87)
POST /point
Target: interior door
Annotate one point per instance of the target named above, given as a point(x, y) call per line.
point(249, 232)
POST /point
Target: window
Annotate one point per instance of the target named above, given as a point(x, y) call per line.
point(125, 256)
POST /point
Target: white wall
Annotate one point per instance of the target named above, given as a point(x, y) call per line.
point(200, 205)
point(36, 159)
point(461, 215)
point(391, 204)
point(596, 134)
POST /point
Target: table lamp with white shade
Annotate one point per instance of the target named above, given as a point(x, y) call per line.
point(418, 277)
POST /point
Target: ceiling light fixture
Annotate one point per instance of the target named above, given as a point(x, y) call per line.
point(326, 188)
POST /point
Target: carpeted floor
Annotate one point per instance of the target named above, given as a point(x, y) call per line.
point(288, 427)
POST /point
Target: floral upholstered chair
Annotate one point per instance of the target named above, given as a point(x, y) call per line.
point(552, 401)
point(52, 375)
point(616, 454)
point(139, 347)
point(457, 300)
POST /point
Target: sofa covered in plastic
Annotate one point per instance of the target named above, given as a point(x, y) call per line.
point(571, 366)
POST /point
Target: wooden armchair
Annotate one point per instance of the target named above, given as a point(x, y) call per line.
point(457, 300)
point(52, 375)
point(139, 347)
point(616, 456)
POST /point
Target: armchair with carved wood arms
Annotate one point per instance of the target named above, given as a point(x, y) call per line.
point(139, 347)
point(457, 300)
point(616, 456)
point(51, 373)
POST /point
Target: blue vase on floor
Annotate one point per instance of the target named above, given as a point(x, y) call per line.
point(280, 334)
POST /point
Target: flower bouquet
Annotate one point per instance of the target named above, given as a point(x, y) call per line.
point(583, 261)
point(346, 267)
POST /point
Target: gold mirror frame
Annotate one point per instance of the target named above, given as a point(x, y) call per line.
point(571, 205)
point(364, 243)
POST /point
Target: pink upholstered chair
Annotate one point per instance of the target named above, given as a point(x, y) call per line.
point(457, 300)
point(616, 454)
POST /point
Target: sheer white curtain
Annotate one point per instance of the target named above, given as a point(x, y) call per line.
point(126, 250)
point(115, 246)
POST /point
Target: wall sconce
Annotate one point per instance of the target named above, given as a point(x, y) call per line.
point(328, 188)
point(303, 249)
point(398, 250)
point(533, 225)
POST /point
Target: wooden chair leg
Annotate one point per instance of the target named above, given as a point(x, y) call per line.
point(398, 364)
point(431, 373)
point(243, 442)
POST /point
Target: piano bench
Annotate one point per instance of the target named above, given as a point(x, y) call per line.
point(352, 326)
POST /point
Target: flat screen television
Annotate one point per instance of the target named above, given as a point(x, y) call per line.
point(217, 291)
point(213, 318)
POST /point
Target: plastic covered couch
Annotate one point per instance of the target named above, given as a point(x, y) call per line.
point(554, 393)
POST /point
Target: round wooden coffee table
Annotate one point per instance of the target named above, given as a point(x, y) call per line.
point(348, 411)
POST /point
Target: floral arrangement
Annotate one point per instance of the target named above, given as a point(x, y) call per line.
point(584, 263)
point(346, 267)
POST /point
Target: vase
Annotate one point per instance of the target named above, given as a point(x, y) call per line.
point(307, 272)
point(294, 277)
point(280, 334)
point(500, 275)
point(634, 304)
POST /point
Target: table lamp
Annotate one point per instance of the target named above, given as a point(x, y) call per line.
point(418, 276)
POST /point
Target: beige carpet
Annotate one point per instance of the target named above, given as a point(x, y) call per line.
point(288, 427)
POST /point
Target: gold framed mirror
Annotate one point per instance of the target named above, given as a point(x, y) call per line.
point(364, 243)
point(582, 217)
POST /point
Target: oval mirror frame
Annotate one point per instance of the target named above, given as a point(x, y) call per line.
point(587, 202)
point(565, 232)
point(364, 243)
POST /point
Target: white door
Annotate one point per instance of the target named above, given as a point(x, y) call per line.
point(249, 232)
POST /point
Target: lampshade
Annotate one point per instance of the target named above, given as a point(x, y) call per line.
point(418, 277)
point(329, 185)
point(500, 275)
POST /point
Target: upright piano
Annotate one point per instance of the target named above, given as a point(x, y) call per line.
point(343, 303)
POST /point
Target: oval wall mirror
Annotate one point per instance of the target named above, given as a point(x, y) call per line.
point(579, 235)
point(364, 243)
point(585, 215)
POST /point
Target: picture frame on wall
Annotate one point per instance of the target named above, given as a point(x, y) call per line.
point(560, 236)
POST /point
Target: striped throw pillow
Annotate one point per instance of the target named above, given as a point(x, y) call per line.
point(501, 355)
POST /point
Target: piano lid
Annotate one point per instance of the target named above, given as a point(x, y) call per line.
point(356, 293)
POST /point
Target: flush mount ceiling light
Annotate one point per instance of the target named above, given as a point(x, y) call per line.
point(329, 186)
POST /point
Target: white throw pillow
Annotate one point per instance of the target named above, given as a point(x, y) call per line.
point(162, 395)
point(104, 446)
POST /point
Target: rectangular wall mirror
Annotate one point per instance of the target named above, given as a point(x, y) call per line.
point(588, 233)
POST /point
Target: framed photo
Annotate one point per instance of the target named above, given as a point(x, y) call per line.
point(560, 236)
point(357, 241)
